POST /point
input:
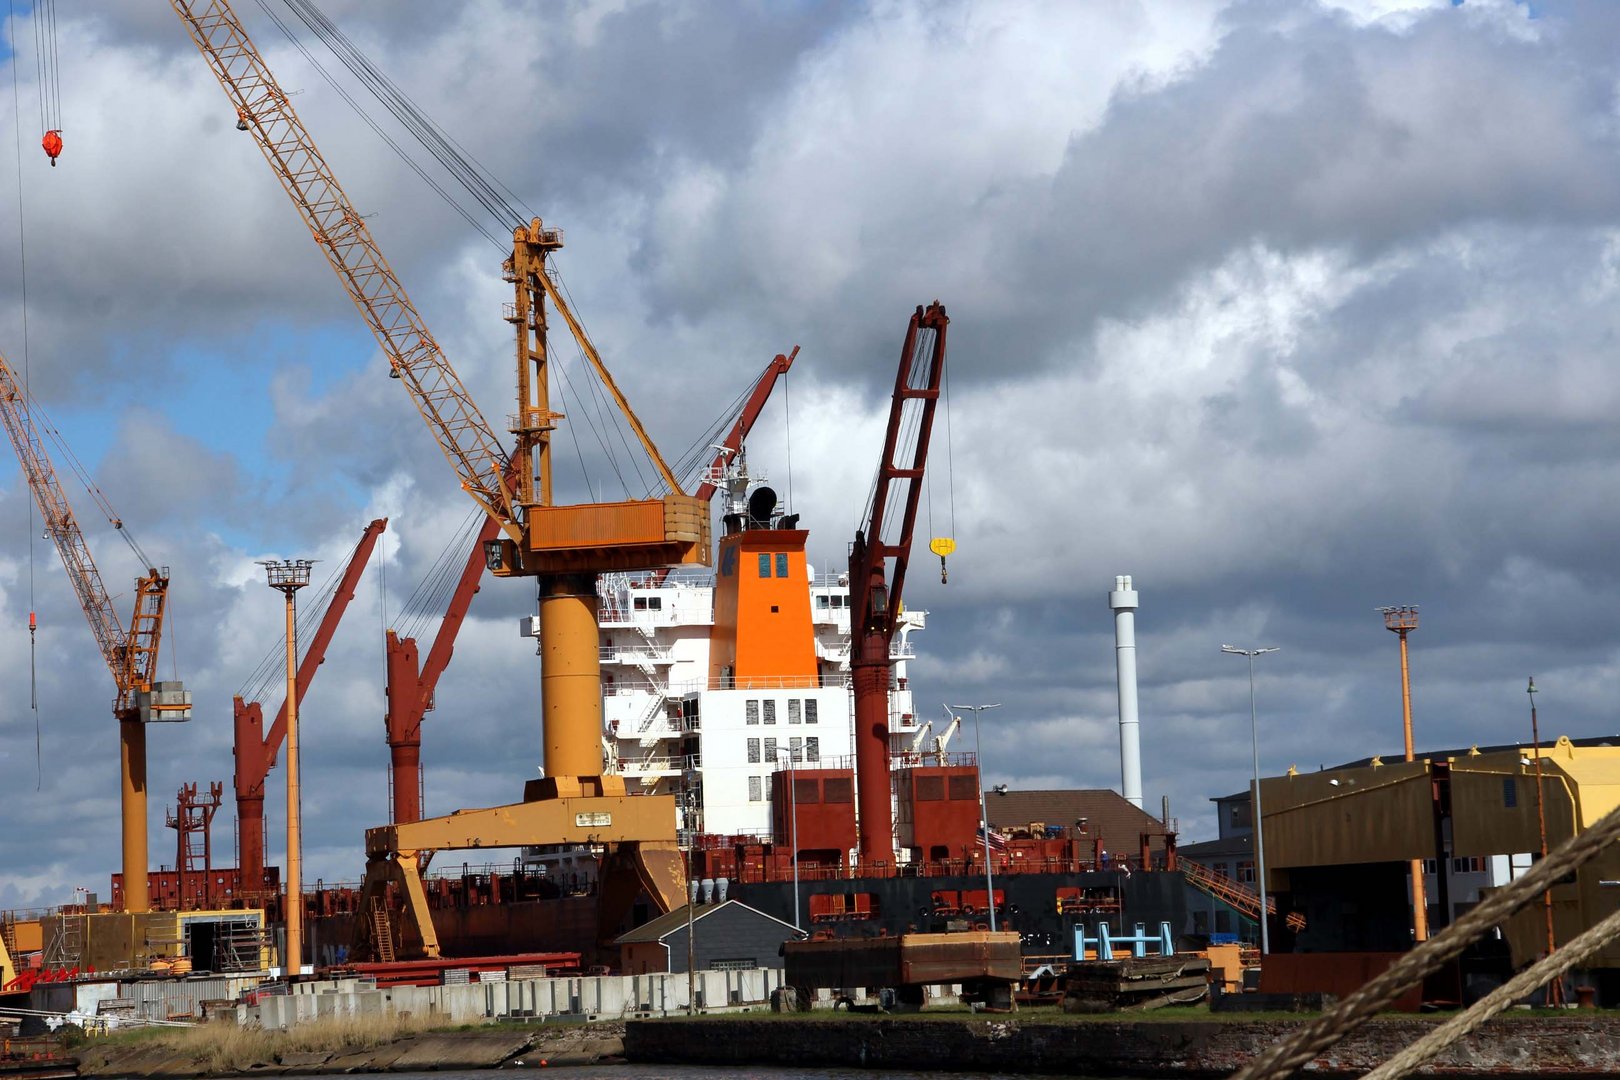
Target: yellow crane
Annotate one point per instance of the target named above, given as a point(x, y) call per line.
point(565, 547)
point(131, 654)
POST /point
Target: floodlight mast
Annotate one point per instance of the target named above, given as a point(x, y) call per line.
point(1259, 824)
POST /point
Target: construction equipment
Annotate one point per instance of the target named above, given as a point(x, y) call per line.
point(256, 751)
point(563, 546)
point(131, 655)
point(877, 569)
point(411, 682)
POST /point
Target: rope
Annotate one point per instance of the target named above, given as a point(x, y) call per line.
point(1308, 1042)
point(22, 259)
point(1531, 978)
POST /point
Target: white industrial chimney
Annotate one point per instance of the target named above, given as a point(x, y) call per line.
point(1123, 602)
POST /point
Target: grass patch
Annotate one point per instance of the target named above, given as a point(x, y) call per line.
point(225, 1047)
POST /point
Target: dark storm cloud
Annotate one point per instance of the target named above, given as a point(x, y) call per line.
point(1287, 311)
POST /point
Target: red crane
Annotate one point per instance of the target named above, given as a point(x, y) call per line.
point(877, 569)
point(410, 687)
point(256, 752)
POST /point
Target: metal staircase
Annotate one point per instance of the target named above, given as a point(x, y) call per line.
point(382, 931)
point(1240, 898)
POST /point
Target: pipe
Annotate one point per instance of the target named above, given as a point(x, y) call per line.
point(1123, 602)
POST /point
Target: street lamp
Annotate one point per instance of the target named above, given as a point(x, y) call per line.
point(984, 810)
point(1259, 824)
point(287, 576)
point(793, 809)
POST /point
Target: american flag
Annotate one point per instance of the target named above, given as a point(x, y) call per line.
point(998, 842)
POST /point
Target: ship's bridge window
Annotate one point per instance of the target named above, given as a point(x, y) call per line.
point(781, 564)
point(649, 603)
point(764, 564)
point(823, 601)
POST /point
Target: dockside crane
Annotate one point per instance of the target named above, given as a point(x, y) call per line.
point(877, 569)
point(563, 547)
point(256, 751)
point(131, 654)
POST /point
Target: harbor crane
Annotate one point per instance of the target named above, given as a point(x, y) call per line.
point(563, 546)
point(877, 569)
point(412, 680)
point(131, 654)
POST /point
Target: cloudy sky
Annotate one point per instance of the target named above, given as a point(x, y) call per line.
point(1288, 309)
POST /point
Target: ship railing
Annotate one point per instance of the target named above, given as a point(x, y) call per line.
point(782, 682)
point(631, 654)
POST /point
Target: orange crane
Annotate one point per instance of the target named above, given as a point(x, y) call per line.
point(564, 547)
point(411, 681)
point(131, 655)
point(255, 751)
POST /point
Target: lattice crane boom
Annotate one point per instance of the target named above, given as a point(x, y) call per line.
point(131, 655)
point(263, 109)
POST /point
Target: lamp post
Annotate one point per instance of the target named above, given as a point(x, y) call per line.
point(984, 809)
point(1401, 621)
point(287, 576)
point(1259, 824)
point(793, 809)
point(1555, 988)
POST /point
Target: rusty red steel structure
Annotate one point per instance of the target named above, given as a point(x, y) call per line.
point(192, 820)
point(255, 751)
point(877, 570)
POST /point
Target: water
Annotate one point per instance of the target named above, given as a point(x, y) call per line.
point(694, 1072)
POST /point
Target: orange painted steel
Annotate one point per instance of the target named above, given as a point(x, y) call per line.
point(571, 678)
point(293, 960)
point(1236, 895)
point(763, 635)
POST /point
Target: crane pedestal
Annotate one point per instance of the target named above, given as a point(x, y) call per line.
point(132, 791)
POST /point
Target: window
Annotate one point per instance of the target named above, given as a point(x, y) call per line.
point(748, 964)
point(781, 564)
point(1428, 866)
point(753, 751)
point(751, 711)
point(821, 601)
point(812, 749)
point(764, 565)
point(1240, 815)
point(770, 749)
point(1468, 864)
point(793, 710)
point(770, 710)
point(1245, 872)
point(1510, 793)
point(756, 788)
point(809, 710)
point(796, 749)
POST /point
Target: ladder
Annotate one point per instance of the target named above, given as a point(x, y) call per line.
point(1238, 897)
point(382, 931)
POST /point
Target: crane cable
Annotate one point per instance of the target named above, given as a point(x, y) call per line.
point(495, 198)
point(22, 258)
point(50, 78)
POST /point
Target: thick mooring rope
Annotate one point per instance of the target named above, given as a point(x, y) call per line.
point(1531, 978)
point(1298, 1049)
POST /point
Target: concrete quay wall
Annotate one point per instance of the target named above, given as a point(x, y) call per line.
point(582, 998)
point(1550, 1048)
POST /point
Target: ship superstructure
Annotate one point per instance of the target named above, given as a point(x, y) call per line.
point(695, 709)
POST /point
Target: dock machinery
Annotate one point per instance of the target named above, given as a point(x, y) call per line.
point(131, 655)
point(563, 547)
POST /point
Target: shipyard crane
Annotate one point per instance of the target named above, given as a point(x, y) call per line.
point(255, 751)
point(877, 569)
point(131, 654)
point(564, 547)
point(412, 681)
